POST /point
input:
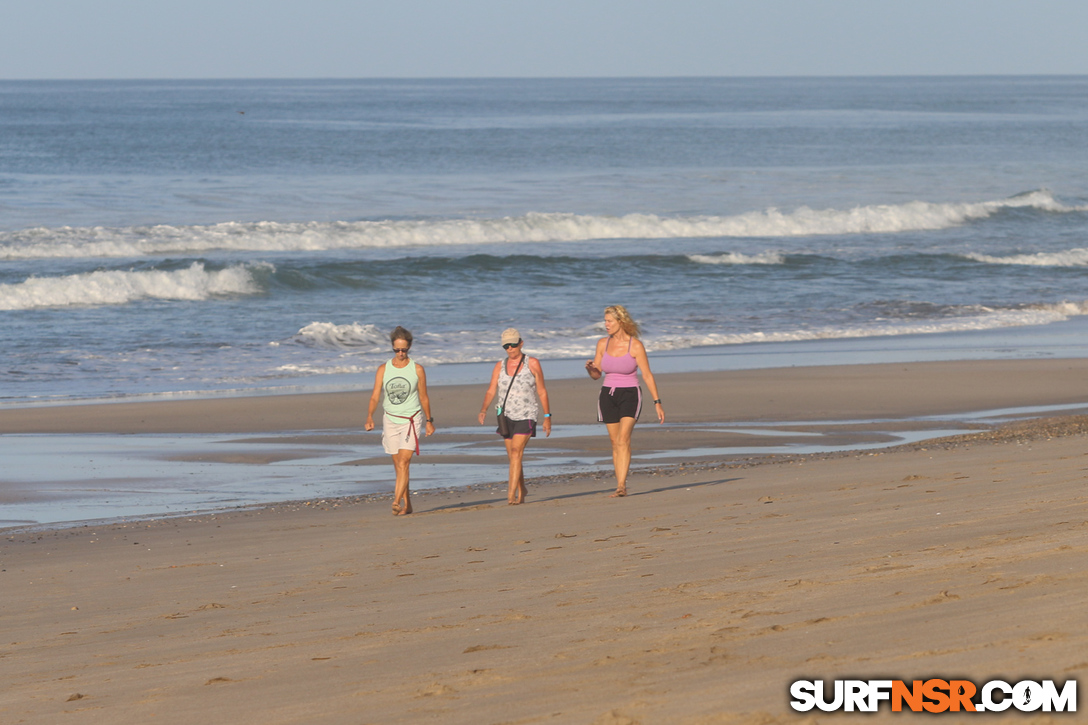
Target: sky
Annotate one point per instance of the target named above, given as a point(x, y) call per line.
point(96, 39)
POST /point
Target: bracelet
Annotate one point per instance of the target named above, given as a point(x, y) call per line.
point(657, 402)
point(430, 420)
point(547, 415)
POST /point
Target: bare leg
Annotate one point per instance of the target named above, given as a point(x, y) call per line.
point(402, 501)
point(515, 449)
point(620, 433)
point(522, 490)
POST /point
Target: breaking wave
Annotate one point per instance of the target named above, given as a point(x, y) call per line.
point(78, 242)
point(330, 336)
point(736, 258)
point(979, 318)
point(1068, 258)
point(116, 287)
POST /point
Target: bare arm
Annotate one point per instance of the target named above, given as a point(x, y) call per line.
point(424, 400)
point(639, 351)
point(374, 398)
point(542, 393)
point(491, 390)
point(593, 367)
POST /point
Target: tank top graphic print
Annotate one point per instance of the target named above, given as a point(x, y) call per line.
point(401, 389)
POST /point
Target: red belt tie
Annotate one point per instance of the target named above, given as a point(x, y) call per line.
point(411, 425)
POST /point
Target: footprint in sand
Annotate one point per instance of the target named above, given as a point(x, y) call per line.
point(435, 690)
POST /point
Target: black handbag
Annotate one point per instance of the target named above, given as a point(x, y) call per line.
point(504, 422)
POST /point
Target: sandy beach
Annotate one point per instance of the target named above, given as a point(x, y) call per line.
point(697, 599)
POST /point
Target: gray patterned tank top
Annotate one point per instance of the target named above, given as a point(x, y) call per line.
point(522, 403)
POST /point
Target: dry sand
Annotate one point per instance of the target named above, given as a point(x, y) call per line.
point(696, 600)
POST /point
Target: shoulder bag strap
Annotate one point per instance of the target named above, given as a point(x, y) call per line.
point(511, 385)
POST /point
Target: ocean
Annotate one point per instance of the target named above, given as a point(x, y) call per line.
point(165, 238)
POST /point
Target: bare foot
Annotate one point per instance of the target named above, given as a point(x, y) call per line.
point(405, 511)
point(620, 493)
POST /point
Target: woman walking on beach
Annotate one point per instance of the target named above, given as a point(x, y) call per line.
point(519, 380)
point(401, 385)
point(620, 357)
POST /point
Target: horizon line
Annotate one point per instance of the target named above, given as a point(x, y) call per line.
point(544, 77)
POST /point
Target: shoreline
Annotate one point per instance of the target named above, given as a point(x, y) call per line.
point(132, 461)
point(835, 392)
point(1022, 431)
point(1066, 339)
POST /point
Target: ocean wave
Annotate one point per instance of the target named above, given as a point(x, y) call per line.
point(360, 340)
point(117, 287)
point(330, 336)
point(737, 258)
point(316, 369)
point(1068, 258)
point(976, 317)
point(362, 347)
point(268, 236)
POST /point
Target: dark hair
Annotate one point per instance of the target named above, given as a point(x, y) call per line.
point(400, 334)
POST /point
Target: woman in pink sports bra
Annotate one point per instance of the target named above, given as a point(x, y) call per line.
point(620, 357)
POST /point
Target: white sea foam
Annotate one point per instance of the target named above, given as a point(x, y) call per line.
point(983, 318)
point(1068, 258)
point(331, 336)
point(315, 369)
point(116, 287)
point(359, 347)
point(363, 347)
point(737, 258)
point(72, 242)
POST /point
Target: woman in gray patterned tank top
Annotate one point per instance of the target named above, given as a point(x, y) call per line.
point(522, 377)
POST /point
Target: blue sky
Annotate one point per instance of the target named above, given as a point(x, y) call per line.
point(518, 38)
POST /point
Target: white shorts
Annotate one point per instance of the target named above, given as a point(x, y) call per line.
point(399, 433)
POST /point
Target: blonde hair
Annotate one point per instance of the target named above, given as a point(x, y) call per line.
point(621, 315)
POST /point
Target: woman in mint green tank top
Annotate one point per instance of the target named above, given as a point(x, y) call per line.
point(401, 387)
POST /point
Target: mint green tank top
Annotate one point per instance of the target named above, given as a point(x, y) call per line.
point(400, 387)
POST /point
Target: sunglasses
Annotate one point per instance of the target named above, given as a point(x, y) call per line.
point(400, 349)
point(509, 345)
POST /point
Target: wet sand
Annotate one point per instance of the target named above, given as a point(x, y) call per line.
point(842, 392)
point(697, 599)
